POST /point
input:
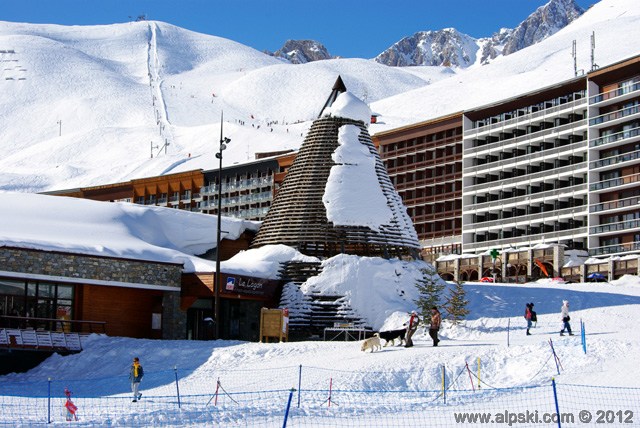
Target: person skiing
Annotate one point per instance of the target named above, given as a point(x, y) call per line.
point(436, 320)
point(412, 326)
point(528, 315)
point(564, 311)
point(135, 376)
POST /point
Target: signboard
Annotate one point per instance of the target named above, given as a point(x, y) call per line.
point(274, 323)
point(237, 286)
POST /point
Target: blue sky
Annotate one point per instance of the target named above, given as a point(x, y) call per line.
point(347, 28)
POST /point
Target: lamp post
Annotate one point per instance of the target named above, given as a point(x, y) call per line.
point(216, 310)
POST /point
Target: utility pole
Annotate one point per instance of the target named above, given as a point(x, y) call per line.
point(216, 309)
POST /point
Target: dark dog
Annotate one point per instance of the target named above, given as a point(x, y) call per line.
point(391, 335)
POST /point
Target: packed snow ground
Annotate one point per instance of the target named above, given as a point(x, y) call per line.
point(494, 334)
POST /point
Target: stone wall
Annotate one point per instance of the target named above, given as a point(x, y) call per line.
point(89, 267)
point(174, 320)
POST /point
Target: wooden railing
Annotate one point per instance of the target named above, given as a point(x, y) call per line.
point(53, 324)
point(18, 333)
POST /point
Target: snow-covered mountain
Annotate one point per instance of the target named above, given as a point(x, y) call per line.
point(89, 105)
point(302, 51)
point(449, 47)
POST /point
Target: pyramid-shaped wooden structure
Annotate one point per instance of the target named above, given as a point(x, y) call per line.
point(298, 217)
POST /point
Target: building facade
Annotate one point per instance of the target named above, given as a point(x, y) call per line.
point(614, 159)
point(424, 162)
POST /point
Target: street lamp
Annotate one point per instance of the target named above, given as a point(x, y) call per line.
point(216, 310)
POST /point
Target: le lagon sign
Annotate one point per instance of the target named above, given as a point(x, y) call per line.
point(248, 286)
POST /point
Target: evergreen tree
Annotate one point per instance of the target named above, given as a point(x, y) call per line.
point(430, 287)
point(456, 305)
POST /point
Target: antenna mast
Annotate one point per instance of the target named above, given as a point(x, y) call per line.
point(574, 54)
point(594, 66)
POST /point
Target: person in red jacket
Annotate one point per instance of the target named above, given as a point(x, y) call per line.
point(528, 315)
point(412, 326)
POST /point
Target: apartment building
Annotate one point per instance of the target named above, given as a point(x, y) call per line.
point(247, 190)
point(614, 159)
point(525, 170)
point(424, 162)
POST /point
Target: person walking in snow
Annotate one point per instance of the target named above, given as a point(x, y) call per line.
point(135, 376)
point(412, 326)
point(436, 320)
point(528, 315)
point(564, 311)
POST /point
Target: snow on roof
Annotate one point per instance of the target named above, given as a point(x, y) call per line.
point(263, 262)
point(349, 106)
point(344, 199)
point(106, 229)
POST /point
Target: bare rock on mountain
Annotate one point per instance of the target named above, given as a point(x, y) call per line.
point(302, 51)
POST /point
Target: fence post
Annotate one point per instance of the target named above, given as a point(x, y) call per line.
point(444, 389)
point(555, 398)
point(478, 372)
point(286, 412)
point(470, 378)
point(175, 370)
point(508, 328)
point(49, 401)
point(555, 357)
point(583, 336)
point(299, 383)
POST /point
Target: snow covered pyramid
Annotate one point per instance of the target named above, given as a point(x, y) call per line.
point(337, 196)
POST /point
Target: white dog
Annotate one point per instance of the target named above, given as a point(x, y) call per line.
point(372, 343)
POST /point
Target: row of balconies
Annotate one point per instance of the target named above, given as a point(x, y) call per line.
point(557, 124)
point(251, 198)
point(549, 233)
point(249, 183)
point(572, 204)
point(615, 182)
point(614, 160)
point(408, 163)
point(523, 198)
point(615, 137)
point(626, 225)
point(529, 174)
point(614, 93)
point(249, 214)
point(505, 159)
point(548, 107)
point(614, 115)
point(615, 205)
point(538, 214)
point(570, 133)
point(534, 174)
point(614, 249)
point(421, 144)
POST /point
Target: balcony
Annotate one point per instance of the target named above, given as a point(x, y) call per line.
point(629, 91)
point(622, 226)
point(615, 249)
point(615, 115)
point(612, 138)
point(615, 182)
point(613, 205)
point(615, 160)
